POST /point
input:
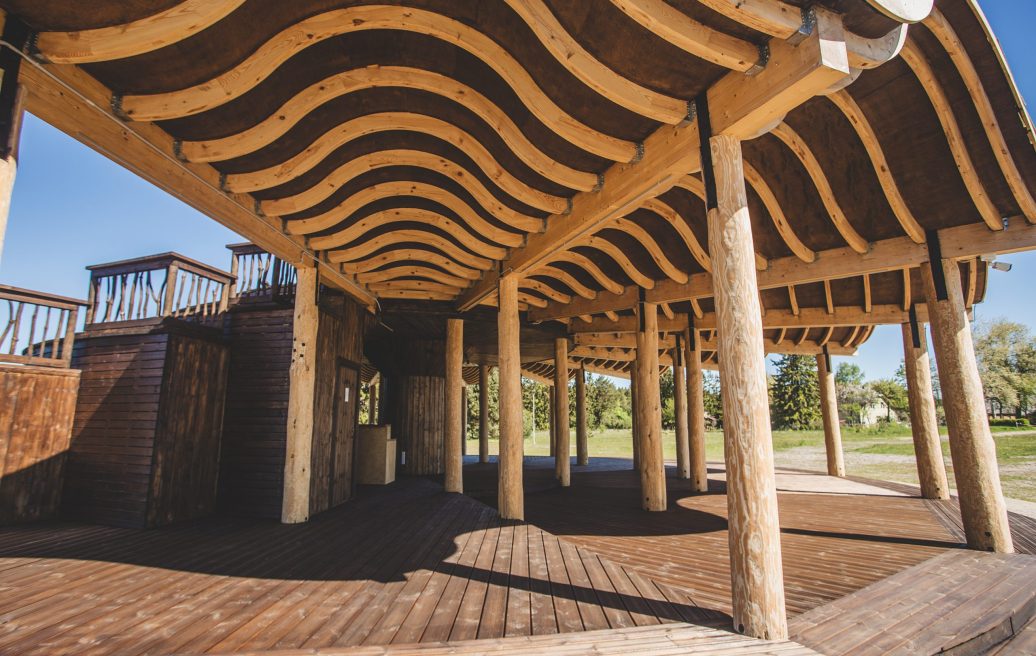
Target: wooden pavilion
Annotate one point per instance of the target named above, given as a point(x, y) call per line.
point(435, 187)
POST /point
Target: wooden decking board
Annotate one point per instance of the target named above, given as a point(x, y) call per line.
point(519, 599)
point(469, 611)
point(546, 616)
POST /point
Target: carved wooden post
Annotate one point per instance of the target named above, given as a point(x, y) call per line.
point(511, 494)
point(12, 110)
point(454, 418)
point(552, 421)
point(695, 410)
point(483, 413)
point(683, 439)
point(301, 390)
point(971, 444)
point(754, 533)
point(562, 457)
point(635, 429)
point(582, 448)
point(649, 411)
point(829, 410)
point(924, 422)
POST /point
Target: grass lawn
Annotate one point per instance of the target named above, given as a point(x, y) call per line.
point(884, 454)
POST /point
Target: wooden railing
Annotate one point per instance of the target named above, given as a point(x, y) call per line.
point(38, 328)
point(260, 275)
point(164, 285)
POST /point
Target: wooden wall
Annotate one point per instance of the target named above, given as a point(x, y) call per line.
point(251, 475)
point(418, 409)
point(37, 405)
point(145, 437)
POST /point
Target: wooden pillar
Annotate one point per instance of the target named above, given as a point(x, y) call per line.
point(971, 444)
point(695, 411)
point(829, 410)
point(301, 390)
point(454, 417)
point(582, 448)
point(563, 457)
point(649, 411)
point(683, 439)
point(12, 111)
point(755, 548)
point(635, 429)
point(463, 420)
point(483, 413)
point(511, 501)
point(552, 421)
point(924, 422)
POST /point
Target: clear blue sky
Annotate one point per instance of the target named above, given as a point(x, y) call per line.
point(72, 207)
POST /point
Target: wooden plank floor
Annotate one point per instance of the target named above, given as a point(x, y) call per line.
point(964, 602)
point(832, 544)
point(404, 564)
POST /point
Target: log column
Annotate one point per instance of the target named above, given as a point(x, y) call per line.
point(971, 444)
point(829, 410)
point(635, 428)
point(695, 411)
point(582, 448)
point(562, 453)
point(511, 494)
point(483, 413)
point(452, 434)
point(924, 422)
point(301, 390)
point(683, 444)
point(12, 110)
point(552, 421)
point(649, 411)
point(754, 533)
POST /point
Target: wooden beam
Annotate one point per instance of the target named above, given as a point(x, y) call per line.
point(924, 422)
point(511, 490)
point(452, 433)
point(562, 453)
point(829, 411)
point(298, 456)
point(741, 106)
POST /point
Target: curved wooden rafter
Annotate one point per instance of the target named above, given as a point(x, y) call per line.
point(667, 311)
point(416, 286)
point(943, 31)
point(432, 240)
point(567, 279)
point(954, 138)
point(773, 207)
point(369, 77)
point(690, 240)
point(476, 241)
point(175, 24)
point(545, 289)
point(381, 190)
point(645, 239)
point(697, 187)
point(869, 137)
point(530, 300)
point(416, 295)
point(411, 255)
point(412, 271)
point(624, 262)
point(867, 53)
point(296, 38)
point(691, 36)
point(797, 145)
point(377, 160)
point(588, 265)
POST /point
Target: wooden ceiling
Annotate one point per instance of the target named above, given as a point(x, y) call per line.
point(416, 149)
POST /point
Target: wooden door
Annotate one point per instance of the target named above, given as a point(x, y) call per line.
point(343, 432)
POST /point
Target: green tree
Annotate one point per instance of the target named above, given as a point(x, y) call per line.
point(607, 405)
point(893, 394)
point(713, 397)
point(494, 406)
point(667, 387)
point(795, 392)
point(1006, 353)
point(853, 393)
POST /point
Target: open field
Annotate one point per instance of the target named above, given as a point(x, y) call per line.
point(883, 454)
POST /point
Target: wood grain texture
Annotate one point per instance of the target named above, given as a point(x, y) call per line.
point(417, 418)
point(695, 411)
point(563, 449)
point(483, 413)
point(754, 536)
point(582, 447)
point(924, 422)
point(971, 444)
point(36, 415)
point(829, 411)
point(683, 438)
point(649, 412)
point(512, 501)
point(298, 453)
point(452, 437)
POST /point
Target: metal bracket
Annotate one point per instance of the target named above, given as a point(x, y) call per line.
point(827, 358)
point(936, 264)
point(705, 134)
point(600, 183)
point(258, 207)
point(116, 105)
point(678, 358)
point(178, 150)
point(640, 153)
point(809, 23)
point(642, 320)
point(568, 207)
point(915, 327)
point(692, 112)
point(760, 64)
point(223, 183)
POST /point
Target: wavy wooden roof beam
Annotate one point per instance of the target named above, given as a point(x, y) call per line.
point(954, 138)
point(871, 143)
point(567, 279)
point(941, 28)
point(433, 240)
point(474, 240)
point(619, 256)
point(298, 107)
point(381, 190)
point(690, 240)
point(378, 160)
point(296, 38)
point(588, 265)
point(165, 28)
point(694, 185)
point(409, 255)
point(644, 238)
point(415, 286)
point(758, 183)
point(411, 271)
point(544, 289)
point(802, 151)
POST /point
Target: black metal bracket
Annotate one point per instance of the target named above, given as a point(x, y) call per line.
point(642, 320)
point(827, 358)
point(936, 264)
point(915, 327)
point(708, 175)
point(678, 358)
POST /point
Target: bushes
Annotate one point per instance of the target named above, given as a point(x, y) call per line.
point(1010, 423)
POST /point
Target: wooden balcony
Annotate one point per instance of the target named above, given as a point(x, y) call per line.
point(38, 328)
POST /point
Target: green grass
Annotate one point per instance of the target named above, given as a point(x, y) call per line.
point(885, 453)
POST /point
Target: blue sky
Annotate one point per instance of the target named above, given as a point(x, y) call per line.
point(72, 207)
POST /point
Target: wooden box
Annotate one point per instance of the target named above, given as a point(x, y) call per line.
point(375, 455)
